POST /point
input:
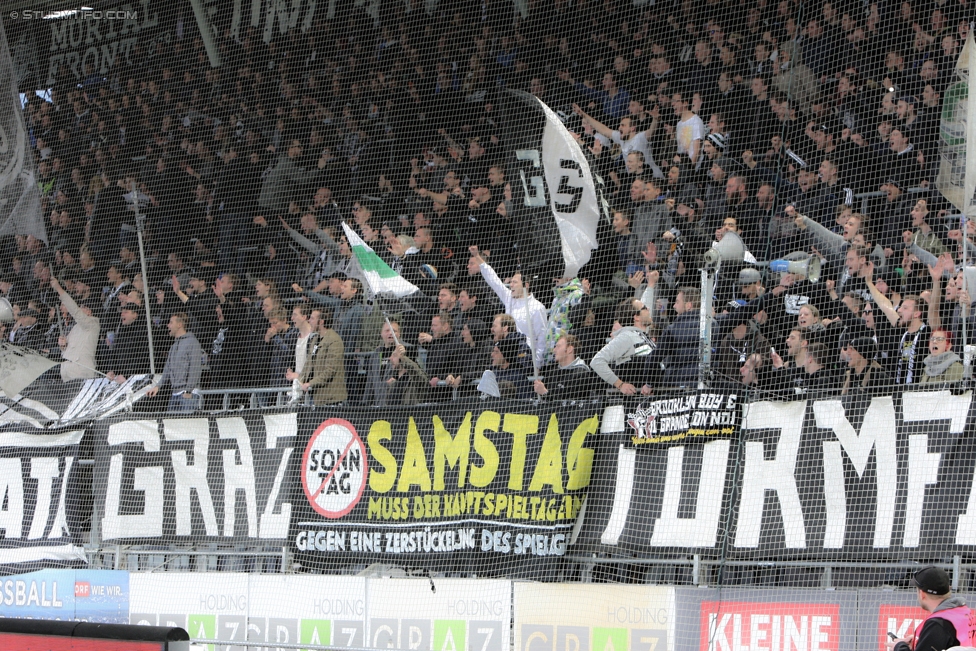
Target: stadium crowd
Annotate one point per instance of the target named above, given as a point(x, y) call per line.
point(703, 119)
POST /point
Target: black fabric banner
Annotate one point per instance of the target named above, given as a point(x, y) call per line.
point(223, 479)
point(449, 484)
point(40, 518)
point(889, 478)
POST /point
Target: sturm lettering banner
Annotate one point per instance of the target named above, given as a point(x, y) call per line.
point(883, 478)
point(470, 478)
point(108, 38)
point(40, 500)
point(208, 479)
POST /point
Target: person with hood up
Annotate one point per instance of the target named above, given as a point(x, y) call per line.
point(941, 364)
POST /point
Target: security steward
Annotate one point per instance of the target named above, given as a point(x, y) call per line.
point(949, 623)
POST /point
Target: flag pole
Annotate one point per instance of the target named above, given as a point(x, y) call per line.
point(969, 186)
point(140, 227)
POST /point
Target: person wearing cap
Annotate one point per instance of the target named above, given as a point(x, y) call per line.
point(621, 362)
point(864, 374)
point(79, 345)
point(949, 622)
point(740, 344)
point(713, 149)
point(128, 353)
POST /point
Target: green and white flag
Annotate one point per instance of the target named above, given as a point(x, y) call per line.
point(378, 277)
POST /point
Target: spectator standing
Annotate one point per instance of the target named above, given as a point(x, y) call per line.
point(531, 316)
point(568, 377)
point(627, 350)
point(942, 364)
point(677, 353)
point(393, 378)
point(129, 352)
point(324, 373)
point(183, 366)
point(79, 345)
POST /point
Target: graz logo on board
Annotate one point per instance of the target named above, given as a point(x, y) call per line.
point(334, 468)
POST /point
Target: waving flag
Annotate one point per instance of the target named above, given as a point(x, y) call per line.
point(378, 277)
point(20, 199)
point(557, 199)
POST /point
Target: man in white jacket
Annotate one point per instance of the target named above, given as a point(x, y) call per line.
point(78, 347)
point(531, 316)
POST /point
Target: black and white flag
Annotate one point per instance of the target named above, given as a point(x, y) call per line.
point(556, 199)
point(572, 193)
point(38, 509)
point(226, 479)
point(887, 478)
point(20, 199)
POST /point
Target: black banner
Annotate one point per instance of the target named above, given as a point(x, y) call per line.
point(39, 518)
point(889, 478)
point(472, 478)
point(89, 44)
point(224, 479)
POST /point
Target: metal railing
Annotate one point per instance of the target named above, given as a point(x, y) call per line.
point(865, 197)
point(705, 572)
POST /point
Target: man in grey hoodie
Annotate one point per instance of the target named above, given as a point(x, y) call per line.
point(183, 366)
point(627, 351)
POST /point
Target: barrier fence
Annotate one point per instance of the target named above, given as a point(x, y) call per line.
point(704, 488)
point(233, 610)
point(706, 520)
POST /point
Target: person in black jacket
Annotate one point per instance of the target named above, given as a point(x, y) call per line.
point(948, 623)
point(568, 378)
point(475, 356)
point(27, 332)
point(675, 361)
point(817, 374)
point(444, 354)
point(864, 374)
point(128, 353)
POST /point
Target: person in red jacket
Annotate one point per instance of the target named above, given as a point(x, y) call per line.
point(949, 623)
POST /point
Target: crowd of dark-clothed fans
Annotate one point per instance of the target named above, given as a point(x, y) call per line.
point(757, 120)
